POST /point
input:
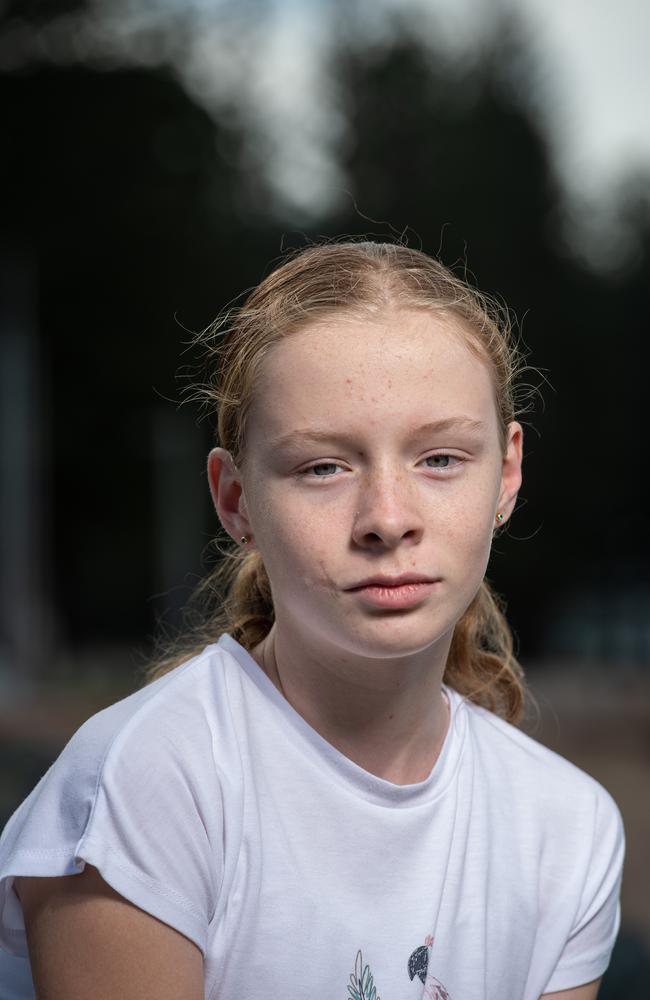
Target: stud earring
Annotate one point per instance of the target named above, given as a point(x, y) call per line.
point(244, 539)
point(500, 517)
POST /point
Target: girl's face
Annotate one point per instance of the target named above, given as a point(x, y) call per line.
point(373, 448)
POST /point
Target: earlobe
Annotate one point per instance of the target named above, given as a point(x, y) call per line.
point(227, 493)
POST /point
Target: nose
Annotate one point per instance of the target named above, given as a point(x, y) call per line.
point(387, 510)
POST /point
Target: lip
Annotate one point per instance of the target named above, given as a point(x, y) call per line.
point(405, 596)
point(382, 580)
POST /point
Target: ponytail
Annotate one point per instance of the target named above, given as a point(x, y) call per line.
point(249, 604)
point(481, 664)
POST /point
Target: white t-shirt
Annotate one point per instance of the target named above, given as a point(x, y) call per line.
point(208, 801)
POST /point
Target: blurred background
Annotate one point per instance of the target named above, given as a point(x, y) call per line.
point(157, 157)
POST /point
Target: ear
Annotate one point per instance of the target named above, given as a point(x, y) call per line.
point(511, 469)
point(228, 494)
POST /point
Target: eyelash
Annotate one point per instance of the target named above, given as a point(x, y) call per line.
point(318, 465)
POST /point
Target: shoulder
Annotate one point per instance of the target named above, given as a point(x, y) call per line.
point(558, 827)
point(541, 782)
point(173, 736)
point(178, 711)
point(143, 792)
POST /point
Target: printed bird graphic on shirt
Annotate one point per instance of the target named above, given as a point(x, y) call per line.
point(418, 965)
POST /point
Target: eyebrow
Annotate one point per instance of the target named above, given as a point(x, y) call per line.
point(298, 437)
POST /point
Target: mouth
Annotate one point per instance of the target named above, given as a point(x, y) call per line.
point(389, 582)
point(400, 596)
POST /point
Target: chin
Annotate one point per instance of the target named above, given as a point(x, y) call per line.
point(391, 637)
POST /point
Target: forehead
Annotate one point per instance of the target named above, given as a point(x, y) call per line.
point(407, 366)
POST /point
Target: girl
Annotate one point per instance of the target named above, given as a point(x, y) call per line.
point(328, 797)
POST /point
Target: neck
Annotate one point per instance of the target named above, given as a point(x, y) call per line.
point(388, 715)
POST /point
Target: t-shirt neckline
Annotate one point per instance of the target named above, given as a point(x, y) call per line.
point(360, 781)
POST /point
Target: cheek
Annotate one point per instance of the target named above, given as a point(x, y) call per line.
point(474, 524)
point(294, 546)
point(469, 528)
point(467, 555)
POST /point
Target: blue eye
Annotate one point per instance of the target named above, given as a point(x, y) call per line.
point(442, 461)
point(443, 458)
point(322, 465)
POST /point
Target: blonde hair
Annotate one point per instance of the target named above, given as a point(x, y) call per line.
point(365, 278)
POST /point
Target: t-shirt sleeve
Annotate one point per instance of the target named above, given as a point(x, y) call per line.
point(587, 952)
point(141, 804)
